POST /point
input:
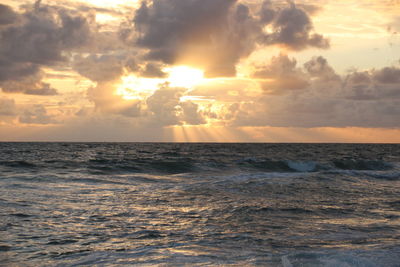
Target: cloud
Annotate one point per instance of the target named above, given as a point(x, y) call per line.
point(133, 109)
point(30, 85)
point(37, 114)
point(293, 30)
point(38, 37)
point(216, 34)
point(191, 114)
point(319, 68)
point(358, 99)
point(317, 111)
point(28, 114)
point(108, 67)
point(164, 106)
point(394, 26)
point(381, 84)
point(107, 102)
point(282, 75)
point(358, 86)
point(153, 70)
point(267, 12)
point(12, 71)
point(7, 15)
point(43, 34)
point(7, 107)
point(229, 90)
point(99, 68)
point(45, 89)
point(178, 32)
point(388, 75)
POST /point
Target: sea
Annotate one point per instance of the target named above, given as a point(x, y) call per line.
point(199, 204)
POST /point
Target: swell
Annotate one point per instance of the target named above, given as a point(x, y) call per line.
point(18, 164)
point(178, 165)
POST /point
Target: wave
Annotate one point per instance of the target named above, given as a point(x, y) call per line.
point(313, 166)
point(330, 258)
point(104, 166)
point(18, 164)
point(362, 165)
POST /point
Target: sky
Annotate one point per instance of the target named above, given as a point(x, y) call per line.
point(200, 70)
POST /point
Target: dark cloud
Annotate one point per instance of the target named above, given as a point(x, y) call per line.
point(376, 85)
point(36, 38)
point(282, 75)
point(99, 68)
point(44, 89)
point(216, 34)
point(278, 66)
point(153, 70)
point(43, 34)
point(105, 42)
point(358, 86)
point(388, 75)
point(359, 78)
point(7, 15)
point(267, 12)
point(358, 99)
point(31, 85)
point(199, 32)
point(318, 67)
point(13, 71)
point(168, 22)
point(293, 30)
point(317, 111)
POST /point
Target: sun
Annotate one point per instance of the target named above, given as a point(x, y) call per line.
point(133, 87)
point(183, 76)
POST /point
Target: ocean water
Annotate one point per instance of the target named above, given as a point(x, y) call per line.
point(160, 204)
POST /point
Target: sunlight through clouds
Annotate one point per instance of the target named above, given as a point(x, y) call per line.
point(202, 64)
point(111, 3)
point(134, 87)
point(183, 76)
point(137, 88)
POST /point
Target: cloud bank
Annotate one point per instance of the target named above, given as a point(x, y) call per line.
point(37, 38)
point(216, 34)
point(318, 97)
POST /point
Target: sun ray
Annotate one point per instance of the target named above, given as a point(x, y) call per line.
point(134, 87)
point(183, 76)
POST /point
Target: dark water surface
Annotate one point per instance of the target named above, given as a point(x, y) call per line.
point(84, 204)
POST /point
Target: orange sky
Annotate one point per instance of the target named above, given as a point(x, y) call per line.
point(200, 71)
